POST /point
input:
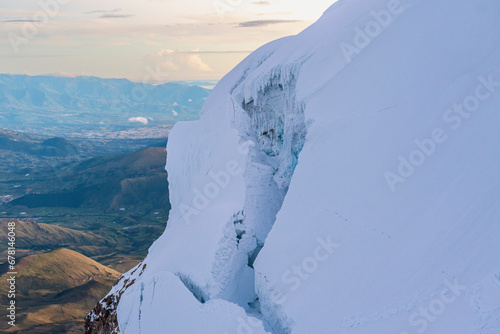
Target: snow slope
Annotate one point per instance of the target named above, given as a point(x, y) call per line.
point(344, 180)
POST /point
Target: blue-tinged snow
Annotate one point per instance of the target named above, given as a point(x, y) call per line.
point(324, 191)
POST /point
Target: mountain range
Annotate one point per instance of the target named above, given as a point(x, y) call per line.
point(69, 106)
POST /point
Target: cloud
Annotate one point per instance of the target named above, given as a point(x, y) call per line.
point(21, 21)
point(16, 56)
point(110, 14)
point(170, 60)
point(61, 75)
point(116, 16)
point(263, 23)
point(142, 120)
point(104, 11)
point(197, 52)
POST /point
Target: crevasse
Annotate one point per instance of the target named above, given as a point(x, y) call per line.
point(278, 121)
point(274, 121)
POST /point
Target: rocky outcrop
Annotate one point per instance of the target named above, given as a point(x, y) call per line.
point(104, 319)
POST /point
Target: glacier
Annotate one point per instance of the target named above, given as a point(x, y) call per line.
point(344, 180)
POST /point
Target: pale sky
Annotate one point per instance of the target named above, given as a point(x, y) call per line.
point(176, 39)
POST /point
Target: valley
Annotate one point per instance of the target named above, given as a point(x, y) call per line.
point(123, 198)
point(82, 176)
point(83, 217)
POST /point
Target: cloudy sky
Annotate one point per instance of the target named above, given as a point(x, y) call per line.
point(175, 39)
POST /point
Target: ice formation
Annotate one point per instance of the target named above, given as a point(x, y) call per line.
point(344, 180)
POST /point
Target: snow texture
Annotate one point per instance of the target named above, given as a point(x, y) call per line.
point(344, 180)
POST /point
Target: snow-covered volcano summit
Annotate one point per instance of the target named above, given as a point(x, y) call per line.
point(344, 180)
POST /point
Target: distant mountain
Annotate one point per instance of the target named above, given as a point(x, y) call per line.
point(56, 290)
point(52, 147)
point(65, 105)
point(62, 145)
point(205, 84)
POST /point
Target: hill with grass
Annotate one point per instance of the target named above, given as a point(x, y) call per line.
point(56, 290)
point(109, 182)
point(35, 237)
